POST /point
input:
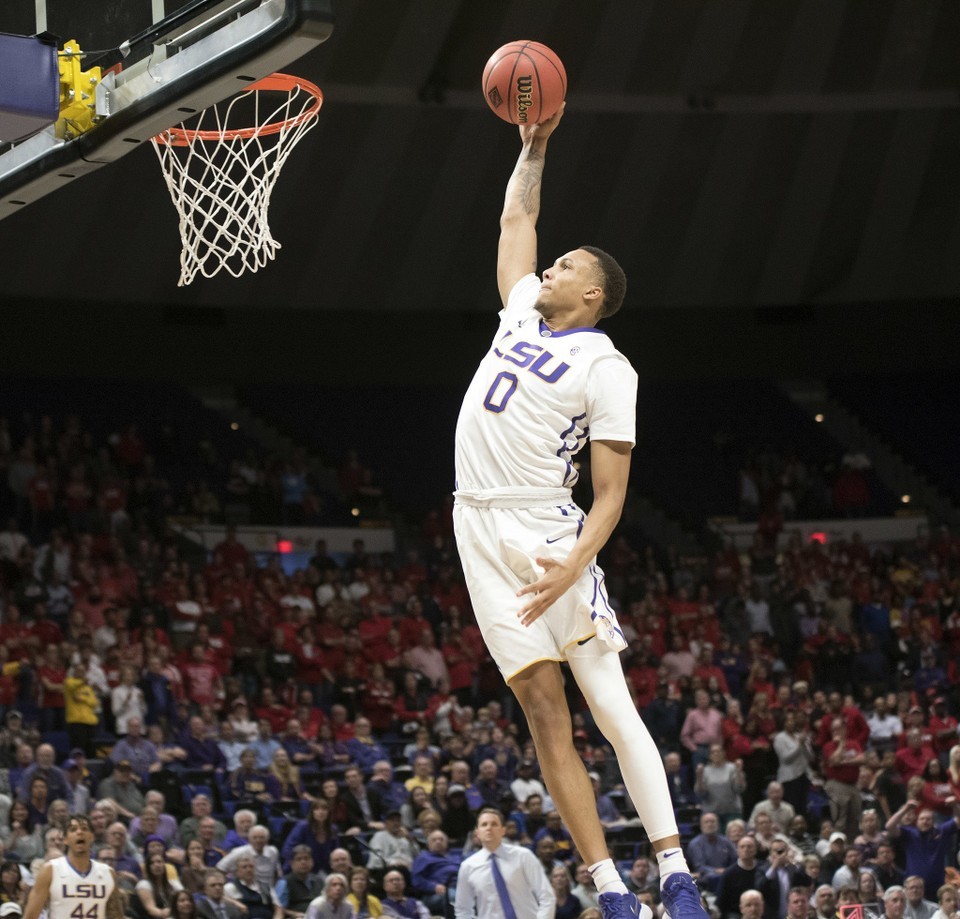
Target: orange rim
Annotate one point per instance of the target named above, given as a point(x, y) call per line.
point(276, 82)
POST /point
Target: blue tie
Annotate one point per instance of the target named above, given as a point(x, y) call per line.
point(508, 911)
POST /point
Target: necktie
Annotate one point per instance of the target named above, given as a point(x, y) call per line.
point(508, 911)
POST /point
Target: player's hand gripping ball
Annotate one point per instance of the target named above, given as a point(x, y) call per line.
point(524, 82)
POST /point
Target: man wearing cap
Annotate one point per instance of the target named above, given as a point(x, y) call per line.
point(393, 845)
point(121, 786)
point(10, 909)
point(501, 880)
point(434, 873)
point(79, 792)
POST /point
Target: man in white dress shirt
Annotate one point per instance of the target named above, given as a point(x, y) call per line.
point(501, 881)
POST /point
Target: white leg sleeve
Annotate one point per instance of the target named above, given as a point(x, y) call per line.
point(601, 680)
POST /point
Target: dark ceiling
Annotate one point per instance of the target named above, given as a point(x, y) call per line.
point(729, 152)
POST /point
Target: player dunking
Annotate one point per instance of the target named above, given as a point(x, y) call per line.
point(75, 886)
point(550, 381)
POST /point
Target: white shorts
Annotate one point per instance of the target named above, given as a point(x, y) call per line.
point(498, 550)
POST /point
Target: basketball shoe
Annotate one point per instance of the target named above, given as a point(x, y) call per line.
point(681, 898)
point(623, 906)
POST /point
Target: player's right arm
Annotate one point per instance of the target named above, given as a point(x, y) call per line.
point(40, 893)
point(517, 252)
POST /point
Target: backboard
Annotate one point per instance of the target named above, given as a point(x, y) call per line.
point(162, 60)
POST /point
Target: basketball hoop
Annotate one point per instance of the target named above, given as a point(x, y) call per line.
point(221, 178)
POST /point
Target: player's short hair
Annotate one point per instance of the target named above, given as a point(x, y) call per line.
point(82, 819)
point(611, 279)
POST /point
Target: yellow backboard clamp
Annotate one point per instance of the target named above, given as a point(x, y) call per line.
point(78, 110)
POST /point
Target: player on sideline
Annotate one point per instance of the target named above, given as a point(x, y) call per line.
point(74, 885)
point(550, 380)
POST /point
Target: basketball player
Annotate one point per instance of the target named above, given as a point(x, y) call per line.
point(550, 380)
point(74, 886)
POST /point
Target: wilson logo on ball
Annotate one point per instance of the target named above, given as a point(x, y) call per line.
point(524, 97)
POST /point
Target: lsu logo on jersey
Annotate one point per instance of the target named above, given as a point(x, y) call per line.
point(533, 357)
point(84, 891)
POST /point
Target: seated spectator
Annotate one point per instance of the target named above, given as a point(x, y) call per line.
point(121, 787)
point(848, 874)
point(585, 890)
point(745, 875)
point(947, 897)
point(434, 873)
point(490, 787)
point(300, 885)
point(607, 811)
point(316, 832)
point(43, 767)
point(364, 903)
point(553, 826)
point(212, 904)
point(251, 785)
point(287, 777)
point(259, 898)
point(411, 809)
point(265, 744)
point(136, 750)
point(202, 752)
point(709, 854)
point(332, 754)
point(884, 867)
point(245, 729)
point(396, 904)
point(230, 746)
point(364, 807)
point(642, 876)
point(155, 892)
point(363, 747)
point(243, 820)
point(195, 865)
point(200, 806)
point(918, 906)
point(423, 773)
point(393, 845)
point(393, 795)
point(331, 904)
point(780, 812)
point(22, 838)
point(266, 858)
point(568, 905)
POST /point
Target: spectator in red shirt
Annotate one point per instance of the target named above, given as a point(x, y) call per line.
point(201, 680)
point(52, 672)
point(231, 551)
point(913, 758)
point(842, 759)
point(856, 728)
point(942, 726)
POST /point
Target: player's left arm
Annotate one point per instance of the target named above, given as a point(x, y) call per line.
point(610, 465)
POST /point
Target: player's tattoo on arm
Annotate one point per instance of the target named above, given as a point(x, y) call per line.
point(529, 179)
point(116, 904)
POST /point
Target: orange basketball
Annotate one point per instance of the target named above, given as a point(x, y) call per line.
point(524, 82)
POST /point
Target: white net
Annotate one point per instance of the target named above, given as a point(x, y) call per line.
point(221, 178)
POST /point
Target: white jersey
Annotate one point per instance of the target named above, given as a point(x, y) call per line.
point(535, 399)
point(79, 896)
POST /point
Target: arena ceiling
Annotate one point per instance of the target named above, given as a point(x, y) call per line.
point(731, 153)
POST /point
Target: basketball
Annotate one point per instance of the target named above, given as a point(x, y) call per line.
point(524, 82)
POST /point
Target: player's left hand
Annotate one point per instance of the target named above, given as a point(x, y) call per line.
point(556, 580)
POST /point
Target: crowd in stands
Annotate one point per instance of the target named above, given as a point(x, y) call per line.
point(254, 743)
